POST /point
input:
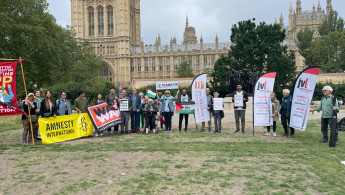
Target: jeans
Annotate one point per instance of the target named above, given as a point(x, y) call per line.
point(167, 118)
point(324, 128)
point(240, 114)
point(124, 120)
point(135, 117)
point(209, 123)
point(142, 120)
point(185, 121)
point(286, 119)
point(274, 127)
point(217, 122)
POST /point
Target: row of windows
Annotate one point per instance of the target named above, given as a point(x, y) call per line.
point(167, 64)
point(100, 13)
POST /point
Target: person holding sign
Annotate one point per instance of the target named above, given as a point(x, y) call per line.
point(109, 99)
point(150, 116)
point(275, 114)
point(29, 101)
point(183, 98)
point(218, 112)
point(63, 105)
point(240, 98)
point(48, 107)
point(125, 109)
point(327, 109)
point(285, 112)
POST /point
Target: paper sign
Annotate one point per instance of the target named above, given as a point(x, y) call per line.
point(169, 85)
point(124, 105)
point(238, 100)
point(217, 103)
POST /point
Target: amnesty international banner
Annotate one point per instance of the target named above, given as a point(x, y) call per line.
point(303, 94)
point(8, 99)
point(64, 128)
point(199, 97)
point(104, 116)
point(262, 101)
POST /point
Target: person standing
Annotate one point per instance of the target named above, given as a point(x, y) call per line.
point(327, 109)
point(136, 105)
point(38, 100)
point(209, 111)
point(144, 101)
point(159, 105)
point(167, 108)
point(48, 106)
point(125, 114)
point(119, 94)
point(240, 112)
point(63, 105)
point(29, 107)
point(109, 99)
point(218, 115)
point(275, 114)
point(285, 111)
point(183, 98)
point(97, 101)
point(81, 103)
point(150, 116)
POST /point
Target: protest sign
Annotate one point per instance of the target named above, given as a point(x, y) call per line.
point(200, 99)
point(166, 85)
point(238, 100)
point(217, 103)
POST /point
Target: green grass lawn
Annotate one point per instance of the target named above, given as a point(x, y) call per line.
point(177, 163)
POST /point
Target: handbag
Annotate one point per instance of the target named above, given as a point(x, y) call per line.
point(221, 114)
point(47, 114)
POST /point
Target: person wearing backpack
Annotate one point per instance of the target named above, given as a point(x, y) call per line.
point(63, 105)
point(327, 109)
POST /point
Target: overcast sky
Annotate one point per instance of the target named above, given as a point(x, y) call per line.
point(209, 17)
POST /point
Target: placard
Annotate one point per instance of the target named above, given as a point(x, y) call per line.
point(238, 100)
point(217, 103)
point(166, 85)
point(124, 105)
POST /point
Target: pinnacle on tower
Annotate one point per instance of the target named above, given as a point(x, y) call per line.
point(187, 21)
point(298, 7)
point(319, 7)
point(329, 6)
point(281, 22)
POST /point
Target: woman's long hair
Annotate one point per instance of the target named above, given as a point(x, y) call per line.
point(51, 99)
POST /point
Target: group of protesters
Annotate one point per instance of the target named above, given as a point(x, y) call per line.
point(145, 113)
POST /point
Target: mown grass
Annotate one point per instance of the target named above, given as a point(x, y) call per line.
point(10, 123)
point(245, 164)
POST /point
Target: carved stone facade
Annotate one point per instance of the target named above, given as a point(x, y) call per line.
point(298, 20)
point(113, 28)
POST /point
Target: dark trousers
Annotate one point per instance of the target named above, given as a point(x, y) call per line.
point(124, 120)
point(324, 127)
point(185, 121)
point(150, 121)
point(167, 118)
point(286, 119)
point(217, 122)
point(135, 117)
point(116, 129)
point(274, 127)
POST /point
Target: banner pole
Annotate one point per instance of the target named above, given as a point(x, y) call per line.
point(26, 94)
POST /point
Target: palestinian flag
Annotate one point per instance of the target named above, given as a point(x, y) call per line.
point(185, 107)
point(150, 93)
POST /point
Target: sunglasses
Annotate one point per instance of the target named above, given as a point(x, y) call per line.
point(167, 93)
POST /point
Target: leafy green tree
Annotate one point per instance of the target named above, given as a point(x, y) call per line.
point(328, 52)
point(184, 69)
point(305, 41)
point(220, 76)
point(333, 23)
point(50, 52)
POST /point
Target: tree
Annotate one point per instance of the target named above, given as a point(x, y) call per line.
point(184, 69)
point(220, 76)
point(50, 52)
point(305, 41)
point(258, 48)
point(328, 52)
point(333, 23)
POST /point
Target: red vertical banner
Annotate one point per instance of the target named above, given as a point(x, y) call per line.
point(8, 90)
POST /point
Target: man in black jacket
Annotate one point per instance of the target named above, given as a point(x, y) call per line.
point(240, 112)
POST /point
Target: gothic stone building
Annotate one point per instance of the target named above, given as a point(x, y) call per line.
point(113, 28)
point(298, 20)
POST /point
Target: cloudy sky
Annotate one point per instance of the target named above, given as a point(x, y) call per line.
point(168, 17)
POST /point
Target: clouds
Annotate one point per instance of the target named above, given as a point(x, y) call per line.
point(167, 17)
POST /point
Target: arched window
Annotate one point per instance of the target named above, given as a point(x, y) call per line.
point(110, 20)
point(106, 73)
point(100, 21)
point(91, 22)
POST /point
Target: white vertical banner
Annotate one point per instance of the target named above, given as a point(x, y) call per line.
point(302, 97)
point(262, 101)
point(200, 99)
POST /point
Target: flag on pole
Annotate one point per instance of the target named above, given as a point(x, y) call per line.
point(150, 93)
point(185, 107)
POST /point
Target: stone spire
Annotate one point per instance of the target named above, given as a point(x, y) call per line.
point(319, 7)
point(314, 12)
point(158, 40)
point(281, 21)
point(329, 6)
point(201, 40)
point(298, 8)
point(187, 21)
